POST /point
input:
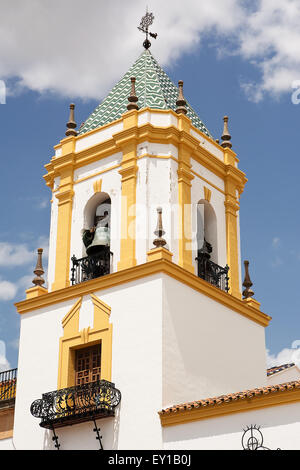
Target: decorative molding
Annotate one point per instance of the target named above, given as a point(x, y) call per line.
point(225, 408)
point(139, 272)
point(97, 186)
point(207, 194)
point(73, 339)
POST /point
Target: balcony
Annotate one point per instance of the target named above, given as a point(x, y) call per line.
point(210, 271)
point(8, 383)
point(90, 267)
point(77, 404)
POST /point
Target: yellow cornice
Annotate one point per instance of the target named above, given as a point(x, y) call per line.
point(149, 132)
point(138, 272)
point(226, 408)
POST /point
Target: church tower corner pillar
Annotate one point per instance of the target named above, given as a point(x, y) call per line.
point(128, 174)
point(185, 259)
point(234, 183)
point(65, 167)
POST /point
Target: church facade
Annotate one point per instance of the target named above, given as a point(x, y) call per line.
point(145, 337)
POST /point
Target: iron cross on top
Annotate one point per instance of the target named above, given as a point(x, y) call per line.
point(146, 21)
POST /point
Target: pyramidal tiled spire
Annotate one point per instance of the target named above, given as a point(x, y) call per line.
point(154, 89)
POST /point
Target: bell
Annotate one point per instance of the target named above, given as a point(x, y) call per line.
point(100, 241)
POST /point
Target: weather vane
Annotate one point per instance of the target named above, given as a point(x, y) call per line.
point(146, 21)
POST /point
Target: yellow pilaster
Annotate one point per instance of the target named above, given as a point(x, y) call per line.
point(231, 211)
point(128, 173)
point(184, 199)
point(64, 219)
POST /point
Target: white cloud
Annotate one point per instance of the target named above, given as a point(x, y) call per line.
point(12, 255)
point(271, 38)
point(15, 254)
point(8, 290)
point(4, 364)
point(81, 49)
point(275, 242)
point(285, 356)
point(18, 254)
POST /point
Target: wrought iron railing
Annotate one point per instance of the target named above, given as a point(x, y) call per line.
point(76, 404)
point(90, 267)
point(8, 383)
point(212, 272)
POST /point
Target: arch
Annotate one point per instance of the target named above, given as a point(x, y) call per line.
point(96, 205)
point(207, 228)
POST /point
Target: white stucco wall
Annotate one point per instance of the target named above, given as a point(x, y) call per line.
point(280, 426)
point(286, 375)
point(207, 348)
point(157, 185)
point(6, 444)
point(136, 316)
point(217, 203)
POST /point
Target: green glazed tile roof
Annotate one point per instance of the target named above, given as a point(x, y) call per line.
point(153, 88)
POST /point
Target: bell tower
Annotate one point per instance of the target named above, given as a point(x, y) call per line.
point(144, 275)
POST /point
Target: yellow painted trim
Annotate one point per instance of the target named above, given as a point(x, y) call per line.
point(223, 409)
point(207, 181)
point(35, 291)
point(139, 272)
point(231, 213)
point(207, 194)
point(184, 200)
point(97, 186)
point(159, 253)
point(128, 174)
point(74, 339)
point(189, 148)
point(171, 157)
point(170, 134)
point(85, 178)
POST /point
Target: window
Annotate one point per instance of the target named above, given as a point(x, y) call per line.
point(88, 365)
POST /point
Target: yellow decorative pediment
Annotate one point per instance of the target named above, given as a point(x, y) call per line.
point(73, 339)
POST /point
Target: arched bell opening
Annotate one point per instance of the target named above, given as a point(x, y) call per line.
point(207, 240)
point(96, 254)
point(97, 216)
point(207, 247)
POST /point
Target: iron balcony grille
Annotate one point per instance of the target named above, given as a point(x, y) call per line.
point(212, 272)
point(8, 383)
point(76, 404)
point(90, 267)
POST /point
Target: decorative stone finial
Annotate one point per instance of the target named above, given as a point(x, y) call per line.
point(71, 124)
point(39, 271)
point(159, 232)
point(132, 98)
point(226, 137)
point(247, 292)
point(181, 103)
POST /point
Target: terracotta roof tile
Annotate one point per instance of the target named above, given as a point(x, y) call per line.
point(214, 401)
point(275, 369)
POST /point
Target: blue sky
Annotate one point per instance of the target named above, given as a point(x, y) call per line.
point(247, 77)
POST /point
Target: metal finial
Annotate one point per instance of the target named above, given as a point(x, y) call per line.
point(247, 292)
point(39, 271)
point(146, 21)
point(181, 103)
point(71, 124)
point(159, 232)
point(226, 137)
point(132, 98)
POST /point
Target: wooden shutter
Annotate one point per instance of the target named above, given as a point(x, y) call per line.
point(88, 365)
